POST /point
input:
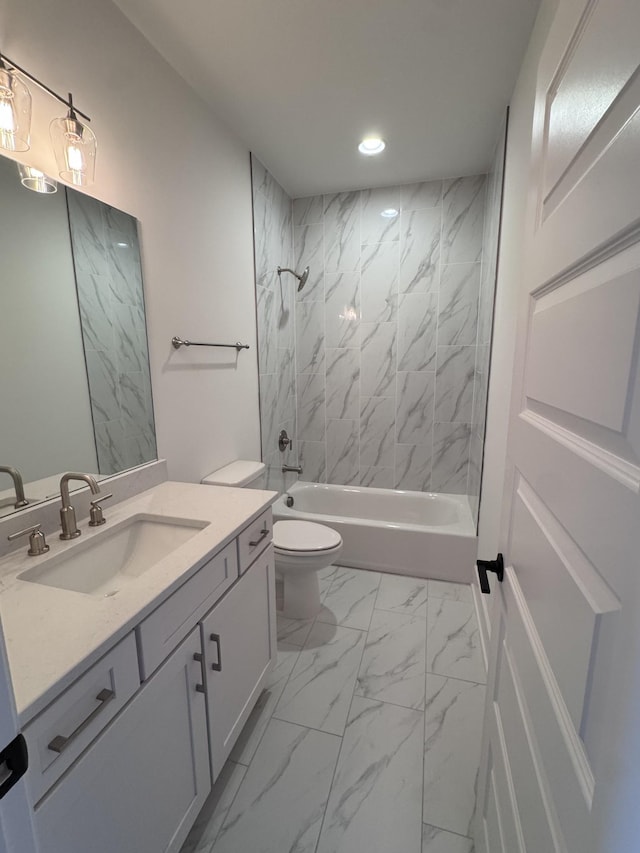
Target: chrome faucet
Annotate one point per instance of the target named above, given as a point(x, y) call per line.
point(295, 469)
point(18, 485)
point(68, 513)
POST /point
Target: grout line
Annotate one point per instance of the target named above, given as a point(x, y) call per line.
point(450, 831)
point(335, 769)
point(386, 702)
point(456, 678)
point(304, 726)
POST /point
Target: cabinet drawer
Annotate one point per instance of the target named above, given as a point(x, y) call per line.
point(65, 728)
point(161, 632)
point(140, 785)
point(254, 539)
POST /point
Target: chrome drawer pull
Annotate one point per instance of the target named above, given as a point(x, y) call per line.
point(263, 533)
point(60, 742)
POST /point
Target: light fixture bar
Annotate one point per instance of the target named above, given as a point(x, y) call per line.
point(66, 101)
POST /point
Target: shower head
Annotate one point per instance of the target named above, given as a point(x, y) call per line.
point(302, 279)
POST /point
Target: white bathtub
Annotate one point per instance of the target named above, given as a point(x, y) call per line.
point(427, 535)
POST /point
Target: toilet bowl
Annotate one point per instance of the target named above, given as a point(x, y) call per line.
point(301, 548)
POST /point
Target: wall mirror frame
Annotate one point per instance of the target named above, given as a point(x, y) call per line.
point(75, 386)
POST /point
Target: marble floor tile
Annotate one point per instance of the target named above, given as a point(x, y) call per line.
point(325, 579)
point(404, 595)
point(392, 668)
point(453, 729)
point(294, 632)
point(436, 840)
point(453, 640)
point(374, 804)
point(319, 690)
point(254, 728)
point(452, 591)
point(208, 823)
point(282, 798)
point(350, 599)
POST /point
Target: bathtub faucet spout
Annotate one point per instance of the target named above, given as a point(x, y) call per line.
point(295, 469)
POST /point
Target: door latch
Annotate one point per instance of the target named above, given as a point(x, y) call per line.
point(485, 566)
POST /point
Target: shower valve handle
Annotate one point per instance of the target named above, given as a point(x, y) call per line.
point(485, 566)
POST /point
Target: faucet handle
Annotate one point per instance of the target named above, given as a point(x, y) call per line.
point(95, 513)
point(37, 542)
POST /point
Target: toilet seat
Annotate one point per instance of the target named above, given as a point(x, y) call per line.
point(299, 537)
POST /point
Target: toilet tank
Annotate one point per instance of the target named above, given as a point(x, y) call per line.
point(243, 474)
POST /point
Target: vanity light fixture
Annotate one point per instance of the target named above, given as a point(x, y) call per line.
point(15, 111)
point(34, 179)
point(74, 144)
point(372, 145)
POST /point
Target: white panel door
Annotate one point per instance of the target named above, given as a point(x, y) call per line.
point(561, 754)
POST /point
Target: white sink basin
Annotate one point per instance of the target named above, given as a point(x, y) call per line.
point(106, 562)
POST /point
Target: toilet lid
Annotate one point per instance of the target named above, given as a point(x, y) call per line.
point(304, 536)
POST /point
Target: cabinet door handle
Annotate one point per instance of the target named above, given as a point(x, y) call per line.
point(263, 534)
point(60, 742)
point(198, 658)
point(217, 667)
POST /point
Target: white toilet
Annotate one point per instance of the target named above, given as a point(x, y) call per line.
point(301, 548)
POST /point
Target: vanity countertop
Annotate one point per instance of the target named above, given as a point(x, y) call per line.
point(53, 635)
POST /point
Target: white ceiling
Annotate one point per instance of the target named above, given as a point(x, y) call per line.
point(302, 81)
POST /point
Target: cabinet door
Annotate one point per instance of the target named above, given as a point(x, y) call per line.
point(239, 645)
point(140, 786)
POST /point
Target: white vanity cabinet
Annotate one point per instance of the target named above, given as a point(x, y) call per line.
point(140, 786)
point(239, 642)
point(146, 729)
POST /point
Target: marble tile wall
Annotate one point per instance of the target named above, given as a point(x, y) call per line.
point(275, 306)
point(387, 333)
point(109, 284)
point(492, 214)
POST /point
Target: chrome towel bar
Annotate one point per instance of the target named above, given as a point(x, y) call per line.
point(178, 342)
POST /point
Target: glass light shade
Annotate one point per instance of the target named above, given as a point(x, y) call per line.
point(34, 179)
point(74, 146)
point(15, 112)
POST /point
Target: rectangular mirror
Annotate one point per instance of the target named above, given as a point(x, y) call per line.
point(74, 369)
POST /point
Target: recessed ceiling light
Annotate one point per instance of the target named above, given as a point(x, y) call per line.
point(389, 213)
point(371, 145)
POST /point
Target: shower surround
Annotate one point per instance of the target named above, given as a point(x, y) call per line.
point(375, 367)
point(387, 332)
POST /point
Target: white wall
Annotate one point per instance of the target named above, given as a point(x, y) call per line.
point(516, 209)
point(163, 157)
